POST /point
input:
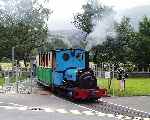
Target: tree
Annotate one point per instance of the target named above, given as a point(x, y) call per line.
point(105, 52)
point(142, 44)
point(125, 36)
point(119, 48)
point(144, 26)
point(128, 46)
point(25, 33)
point(92, 12)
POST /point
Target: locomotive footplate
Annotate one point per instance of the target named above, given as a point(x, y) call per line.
point(89, 93)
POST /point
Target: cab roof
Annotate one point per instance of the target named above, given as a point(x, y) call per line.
point(61, 49)
point(64, 49)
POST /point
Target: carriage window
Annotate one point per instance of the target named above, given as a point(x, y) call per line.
point(65, 56)
point(43, 60)
point(39, 59)
point(46, 60)
point(50, 59)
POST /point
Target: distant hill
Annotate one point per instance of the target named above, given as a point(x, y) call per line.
point(72, 37)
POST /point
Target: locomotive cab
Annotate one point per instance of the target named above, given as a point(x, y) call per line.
point(67, 63)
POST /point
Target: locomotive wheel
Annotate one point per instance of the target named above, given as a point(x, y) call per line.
point(56, 91)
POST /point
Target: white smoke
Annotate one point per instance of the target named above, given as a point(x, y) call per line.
point(103, 28)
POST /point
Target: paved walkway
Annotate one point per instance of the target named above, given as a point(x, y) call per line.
point(47, 107)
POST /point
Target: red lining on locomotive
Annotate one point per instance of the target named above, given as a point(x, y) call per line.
point(89, 93)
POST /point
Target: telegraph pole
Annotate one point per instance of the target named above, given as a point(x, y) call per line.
point(113, 76)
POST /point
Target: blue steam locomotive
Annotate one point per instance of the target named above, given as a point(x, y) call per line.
point(67, 72)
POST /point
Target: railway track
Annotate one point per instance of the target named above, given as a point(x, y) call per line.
point(118, 111)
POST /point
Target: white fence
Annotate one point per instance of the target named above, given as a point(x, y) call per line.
point(103, 70)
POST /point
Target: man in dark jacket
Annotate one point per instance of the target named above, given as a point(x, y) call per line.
point(121, 76)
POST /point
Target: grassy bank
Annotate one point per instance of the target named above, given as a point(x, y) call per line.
point(6, 66)
point(12, 79)
point(134, 87)
point(1, 81)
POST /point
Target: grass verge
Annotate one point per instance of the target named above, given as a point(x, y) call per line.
point(12, 79)
point(1, 81)
point(134, 87)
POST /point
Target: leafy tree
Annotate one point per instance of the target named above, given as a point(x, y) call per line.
point(142, 44)
point(106, 51)
point(125, 36)
point(128, 46)
point(26, 33)
point(117, 49)
point(92, 12)
point(144, 26)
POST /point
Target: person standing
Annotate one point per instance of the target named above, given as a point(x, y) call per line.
point(121, 76)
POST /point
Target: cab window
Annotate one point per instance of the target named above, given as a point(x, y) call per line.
point(65, 56)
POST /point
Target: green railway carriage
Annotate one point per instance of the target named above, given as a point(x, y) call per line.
point(44, 68)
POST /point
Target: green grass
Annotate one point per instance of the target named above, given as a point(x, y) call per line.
point(12, 79)
point(134, 87)
point(1, 81)
point(6, 66)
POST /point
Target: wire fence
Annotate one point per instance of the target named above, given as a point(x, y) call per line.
point(106, 70)
point(107, 76)
point(16, 81)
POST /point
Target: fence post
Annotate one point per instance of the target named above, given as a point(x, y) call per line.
point(31, 72)
point(148, 67)
point(17, 79)
point(113, 75)
point(8, 77)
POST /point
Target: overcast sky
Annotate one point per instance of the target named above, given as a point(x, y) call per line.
point(63, 10)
